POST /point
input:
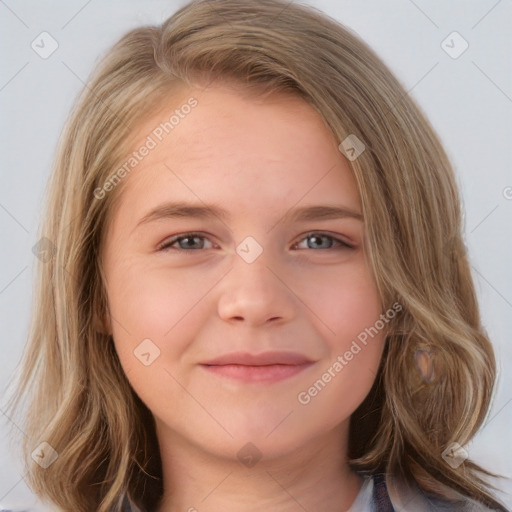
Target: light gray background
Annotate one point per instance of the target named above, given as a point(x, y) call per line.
point(468, 100)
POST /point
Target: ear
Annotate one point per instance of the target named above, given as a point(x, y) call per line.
point(102, 321)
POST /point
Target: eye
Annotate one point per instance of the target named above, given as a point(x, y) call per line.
point(318, 240)
point(196, 242)
point(185, 242)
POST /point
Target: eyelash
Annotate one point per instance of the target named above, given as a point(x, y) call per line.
point(167, 246)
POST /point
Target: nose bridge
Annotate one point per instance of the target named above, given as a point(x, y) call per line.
point(251, 291)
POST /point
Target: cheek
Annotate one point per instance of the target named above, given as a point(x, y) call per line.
point(345, 302)
point(349, 310)
point(150, 300)
point(146, 303)
point(168, 307)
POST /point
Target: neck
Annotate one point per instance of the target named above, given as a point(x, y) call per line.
point(314, 477)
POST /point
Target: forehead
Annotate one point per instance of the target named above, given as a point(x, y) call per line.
point(250, 153)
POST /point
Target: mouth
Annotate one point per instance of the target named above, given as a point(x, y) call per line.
point(266, 367)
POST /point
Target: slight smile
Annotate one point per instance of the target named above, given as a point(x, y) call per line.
point(267, 367)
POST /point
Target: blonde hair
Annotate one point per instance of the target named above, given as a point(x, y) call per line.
point(78, 398)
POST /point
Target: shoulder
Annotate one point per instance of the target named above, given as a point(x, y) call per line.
point(404, 496)
point(129, 506)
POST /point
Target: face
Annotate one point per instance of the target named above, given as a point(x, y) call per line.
point(239, 295)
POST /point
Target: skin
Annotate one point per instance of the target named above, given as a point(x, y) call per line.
point(256, 158)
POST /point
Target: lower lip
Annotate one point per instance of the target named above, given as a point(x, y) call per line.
point(267, 373)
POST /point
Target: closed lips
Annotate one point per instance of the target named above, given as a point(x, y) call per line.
point(264, 359)
point(268, 367)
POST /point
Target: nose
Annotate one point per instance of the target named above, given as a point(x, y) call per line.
point(255, 294)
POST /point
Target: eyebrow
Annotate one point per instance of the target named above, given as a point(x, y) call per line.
point(206, 212)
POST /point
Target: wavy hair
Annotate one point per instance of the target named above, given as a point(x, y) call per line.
point(72, 391)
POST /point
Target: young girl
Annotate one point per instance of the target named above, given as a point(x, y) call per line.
point(258, 295)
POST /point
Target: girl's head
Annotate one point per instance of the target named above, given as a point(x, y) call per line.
point(319, 225)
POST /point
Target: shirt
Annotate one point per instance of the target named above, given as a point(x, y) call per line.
point(380, 494)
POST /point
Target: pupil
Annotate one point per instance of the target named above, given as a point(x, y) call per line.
point(317, 240)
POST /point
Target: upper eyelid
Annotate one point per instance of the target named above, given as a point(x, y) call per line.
point(173, 239)
point(338, 238)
